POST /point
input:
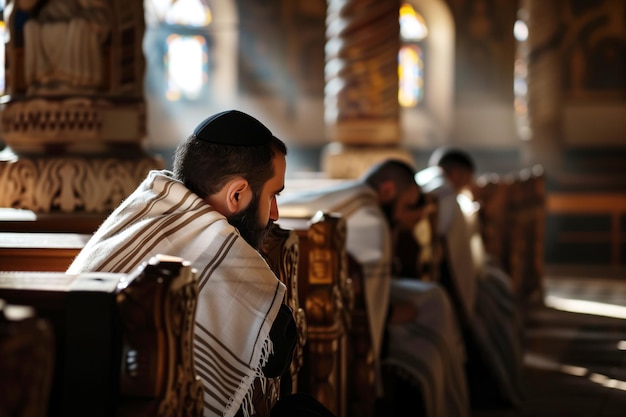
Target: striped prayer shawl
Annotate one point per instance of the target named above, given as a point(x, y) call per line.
point(239, 296)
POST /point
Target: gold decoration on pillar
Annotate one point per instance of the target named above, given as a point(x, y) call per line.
point(74, 117)
point(361, 94)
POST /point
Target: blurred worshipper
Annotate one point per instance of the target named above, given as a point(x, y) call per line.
point(413, 326)
point(482, 292)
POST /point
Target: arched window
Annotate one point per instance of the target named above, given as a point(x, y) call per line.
point(413, 31)
point(177, 49)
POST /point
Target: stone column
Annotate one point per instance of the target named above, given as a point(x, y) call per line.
point(74, 117)
point(544, 143)
point(361, 95)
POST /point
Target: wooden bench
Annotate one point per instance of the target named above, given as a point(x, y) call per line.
point(512, 215)
point(310, 259)
point(123, 342)
point(612, 205)
point(54, 252)
point(339, 360)
point(30, 251)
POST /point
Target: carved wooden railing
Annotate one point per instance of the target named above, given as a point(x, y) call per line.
point(333, 365)
point(123, 341)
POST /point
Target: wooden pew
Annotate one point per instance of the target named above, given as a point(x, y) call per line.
point(30, 251)
point(54, 252)
point(123, 341)
point(512, 215)
point(26, 361)
point(338, 365)
point(322, 296)
point(610, 205)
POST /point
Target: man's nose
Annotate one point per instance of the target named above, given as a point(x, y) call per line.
point(274, 210)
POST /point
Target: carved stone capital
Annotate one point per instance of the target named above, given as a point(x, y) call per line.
point(70, 184)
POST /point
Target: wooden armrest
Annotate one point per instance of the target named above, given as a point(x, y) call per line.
point(325, 292)
point(45, 252)
point(124, 342)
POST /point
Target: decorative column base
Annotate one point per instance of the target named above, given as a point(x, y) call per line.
point(71, 184)
point(344, 161)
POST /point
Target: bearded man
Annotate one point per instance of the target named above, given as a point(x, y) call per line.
point(214, 210)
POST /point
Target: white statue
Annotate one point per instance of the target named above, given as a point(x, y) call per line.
point(63, 45)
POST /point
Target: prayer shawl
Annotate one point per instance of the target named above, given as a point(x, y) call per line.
point(430, 350)
point(239, 296)
point(368, 240)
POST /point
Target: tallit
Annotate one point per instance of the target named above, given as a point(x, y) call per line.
point(239, 296)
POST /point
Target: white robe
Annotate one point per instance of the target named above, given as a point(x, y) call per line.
point(484, 291)
point(239, 296)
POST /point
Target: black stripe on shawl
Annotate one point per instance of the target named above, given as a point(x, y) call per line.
point(203, 346)
point(146, 209)
point(217, 260)
point(276, 287)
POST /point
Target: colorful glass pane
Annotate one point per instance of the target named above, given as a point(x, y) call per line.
point(186, 66)
point(410, 75)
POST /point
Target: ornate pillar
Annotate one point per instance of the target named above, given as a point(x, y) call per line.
point(74, 117)
point(361, 95)
point(543, 141)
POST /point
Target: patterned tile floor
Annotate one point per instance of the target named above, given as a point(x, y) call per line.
point(575, 361)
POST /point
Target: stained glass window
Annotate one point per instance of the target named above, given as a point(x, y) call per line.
point(186, 69)
point(413, 31)
point(411, 75)
point(179, 37)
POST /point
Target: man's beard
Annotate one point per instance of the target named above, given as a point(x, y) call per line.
point(247, 222)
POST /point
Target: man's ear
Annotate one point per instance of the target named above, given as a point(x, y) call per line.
point(238, 194)
point(386, 191)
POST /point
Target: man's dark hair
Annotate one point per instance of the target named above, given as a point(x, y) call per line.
point(400, 172)
point(205, 167)
point(450, 158)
